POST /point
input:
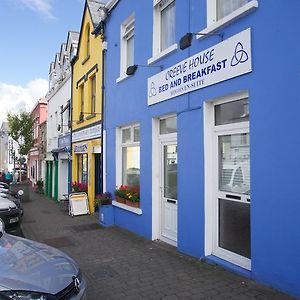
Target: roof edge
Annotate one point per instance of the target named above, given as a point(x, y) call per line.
point(111, 4)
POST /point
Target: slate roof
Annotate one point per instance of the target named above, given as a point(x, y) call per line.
point(74, 36)
point(94, 6)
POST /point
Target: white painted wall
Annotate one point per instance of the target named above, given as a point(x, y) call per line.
point(56, 99)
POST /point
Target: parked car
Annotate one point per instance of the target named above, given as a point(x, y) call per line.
point(9, 213)
point(4, 185)
point(14, 198)
point(32, 270)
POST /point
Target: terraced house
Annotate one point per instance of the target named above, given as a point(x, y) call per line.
point(57, 177)
point(202, 112)
point(87, 102)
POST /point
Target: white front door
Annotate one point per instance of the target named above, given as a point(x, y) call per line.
point(232, 183)
point(169, 191)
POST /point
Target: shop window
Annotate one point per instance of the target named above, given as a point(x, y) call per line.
point(127, 45)
point(82, 167)
point(130, 155)
point(164, 25)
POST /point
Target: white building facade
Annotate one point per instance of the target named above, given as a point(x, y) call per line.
point(58, 125)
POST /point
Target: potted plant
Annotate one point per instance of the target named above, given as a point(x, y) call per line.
point(40, 187)
point(106, 212)
point(120, 193)
point(133, 197)
point(79, 187)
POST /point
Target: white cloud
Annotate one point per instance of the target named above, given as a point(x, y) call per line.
point(16, 98)
point(41, 6)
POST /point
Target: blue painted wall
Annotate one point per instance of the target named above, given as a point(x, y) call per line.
point(274, 130)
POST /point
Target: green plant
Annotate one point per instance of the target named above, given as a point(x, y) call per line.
point(133, 194)
point(40, 186)
point(103, 199)
point(79, 187)
point(121, 191)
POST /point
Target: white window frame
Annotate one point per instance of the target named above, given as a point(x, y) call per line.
point(127, 32)
point(157, 53)
point(119, 149)
point(213, 24)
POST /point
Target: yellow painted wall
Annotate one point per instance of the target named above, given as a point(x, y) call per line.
point(91, 169)
point(84, 68)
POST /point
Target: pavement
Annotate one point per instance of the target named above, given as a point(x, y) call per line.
point(120, 265)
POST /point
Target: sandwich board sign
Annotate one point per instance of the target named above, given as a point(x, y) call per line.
point(78, 203)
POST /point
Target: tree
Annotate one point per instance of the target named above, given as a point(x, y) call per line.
point(20, 130)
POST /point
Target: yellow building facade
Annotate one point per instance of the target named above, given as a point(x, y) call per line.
point(87, 104)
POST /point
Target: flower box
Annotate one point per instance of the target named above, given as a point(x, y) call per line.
point(133, 204)
point(120, 199)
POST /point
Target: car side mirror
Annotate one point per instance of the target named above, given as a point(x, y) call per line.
point(2, 228)
point(20, 192)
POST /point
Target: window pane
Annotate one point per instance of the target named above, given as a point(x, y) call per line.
point(136, 134)
point(225, 7)
point(85, 168)
point(79, 168)
point(93, 94)
point(131, 166)
point(234, 163)
point(168, 26)
point(130, 52)
point(170, 171)
point(168, 125)
point(126, 135)
point(232, 112)
point(234, 227)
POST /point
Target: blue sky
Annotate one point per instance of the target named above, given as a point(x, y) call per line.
point(31, 33)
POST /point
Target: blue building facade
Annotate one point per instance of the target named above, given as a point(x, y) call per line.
point(208, 132)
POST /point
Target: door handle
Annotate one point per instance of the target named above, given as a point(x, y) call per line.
point(171, 201)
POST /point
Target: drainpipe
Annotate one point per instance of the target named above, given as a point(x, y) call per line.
point(103, 114)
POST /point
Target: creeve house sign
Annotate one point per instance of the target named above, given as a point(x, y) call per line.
point(228, 59)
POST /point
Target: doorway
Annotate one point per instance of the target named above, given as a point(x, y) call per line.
point(228, 198)
point(164, 179)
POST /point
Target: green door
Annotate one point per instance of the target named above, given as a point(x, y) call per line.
point(56, 180)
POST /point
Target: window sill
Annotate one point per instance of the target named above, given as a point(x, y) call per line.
point(134, 210)
point(122, 77)
point(162, 54)
point(85, 60)
point(244, 10)
point(92, 115)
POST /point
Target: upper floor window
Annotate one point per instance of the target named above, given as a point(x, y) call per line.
point(164, 25)
point(127, 44)
point(224, 11)
point(81, 99)
point(226, 7)
point(87, 36)
point(93, 94)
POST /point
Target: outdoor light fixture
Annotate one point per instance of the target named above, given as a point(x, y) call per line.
point(131, 69)
point(186, 40)
point(81, 115)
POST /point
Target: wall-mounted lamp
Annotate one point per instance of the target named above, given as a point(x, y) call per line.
point(81, 115)
point(186, 40)
point(131, 69)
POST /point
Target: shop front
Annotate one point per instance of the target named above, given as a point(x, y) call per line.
point(86, 162)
